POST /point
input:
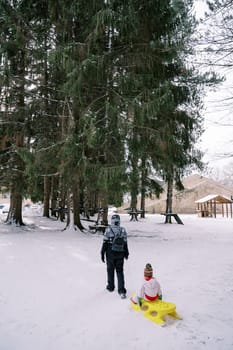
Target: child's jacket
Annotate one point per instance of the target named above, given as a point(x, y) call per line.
point(150, 289)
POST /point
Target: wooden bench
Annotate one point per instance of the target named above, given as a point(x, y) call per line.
point(176, 217)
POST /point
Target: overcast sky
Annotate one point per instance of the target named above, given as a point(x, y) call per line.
point(217, 140)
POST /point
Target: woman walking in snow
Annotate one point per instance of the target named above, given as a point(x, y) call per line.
point(115, 249)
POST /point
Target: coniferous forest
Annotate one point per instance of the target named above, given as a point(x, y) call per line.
point(96, 98)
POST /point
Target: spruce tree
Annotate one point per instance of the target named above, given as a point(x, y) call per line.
point(15, 58)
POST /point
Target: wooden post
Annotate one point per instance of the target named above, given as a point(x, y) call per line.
point(211, 208)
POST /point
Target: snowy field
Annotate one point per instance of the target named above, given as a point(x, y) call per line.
point(53, 296)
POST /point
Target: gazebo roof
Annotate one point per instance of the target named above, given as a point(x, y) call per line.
point(215, 198)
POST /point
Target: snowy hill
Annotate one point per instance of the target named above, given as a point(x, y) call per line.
point(195, 187)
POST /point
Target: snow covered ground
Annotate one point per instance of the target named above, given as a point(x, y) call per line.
point(53, 297)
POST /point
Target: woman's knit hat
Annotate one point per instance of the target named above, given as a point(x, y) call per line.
point(115, 220)
point(148, 271)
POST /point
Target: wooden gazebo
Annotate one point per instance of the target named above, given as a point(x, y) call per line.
point(209, 206)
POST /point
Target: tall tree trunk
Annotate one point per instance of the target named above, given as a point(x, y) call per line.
point(76, 205)
point(15, 211)
point(63, 199)
point(86, 203)
point(143, 187)
point(134, 183)
point(169, 199)
point(68, 220)
point(47, 187)
point(103, 215)
point(17, 186)
point(54, 196)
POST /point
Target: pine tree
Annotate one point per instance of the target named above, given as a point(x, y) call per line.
point(15, 43)
point(164, 90)
point(99, 96)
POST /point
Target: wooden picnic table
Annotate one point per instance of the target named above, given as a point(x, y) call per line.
point(98, 227)
point(134, 214)
point(58, 212)
point(175, 215)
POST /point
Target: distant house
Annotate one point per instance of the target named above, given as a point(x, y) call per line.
point(213, 203)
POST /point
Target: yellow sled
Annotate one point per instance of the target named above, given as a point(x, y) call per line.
point(156, 310)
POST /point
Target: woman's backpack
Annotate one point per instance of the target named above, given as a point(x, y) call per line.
point(118, 242)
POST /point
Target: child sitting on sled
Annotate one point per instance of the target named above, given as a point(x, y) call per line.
point(150, 289)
